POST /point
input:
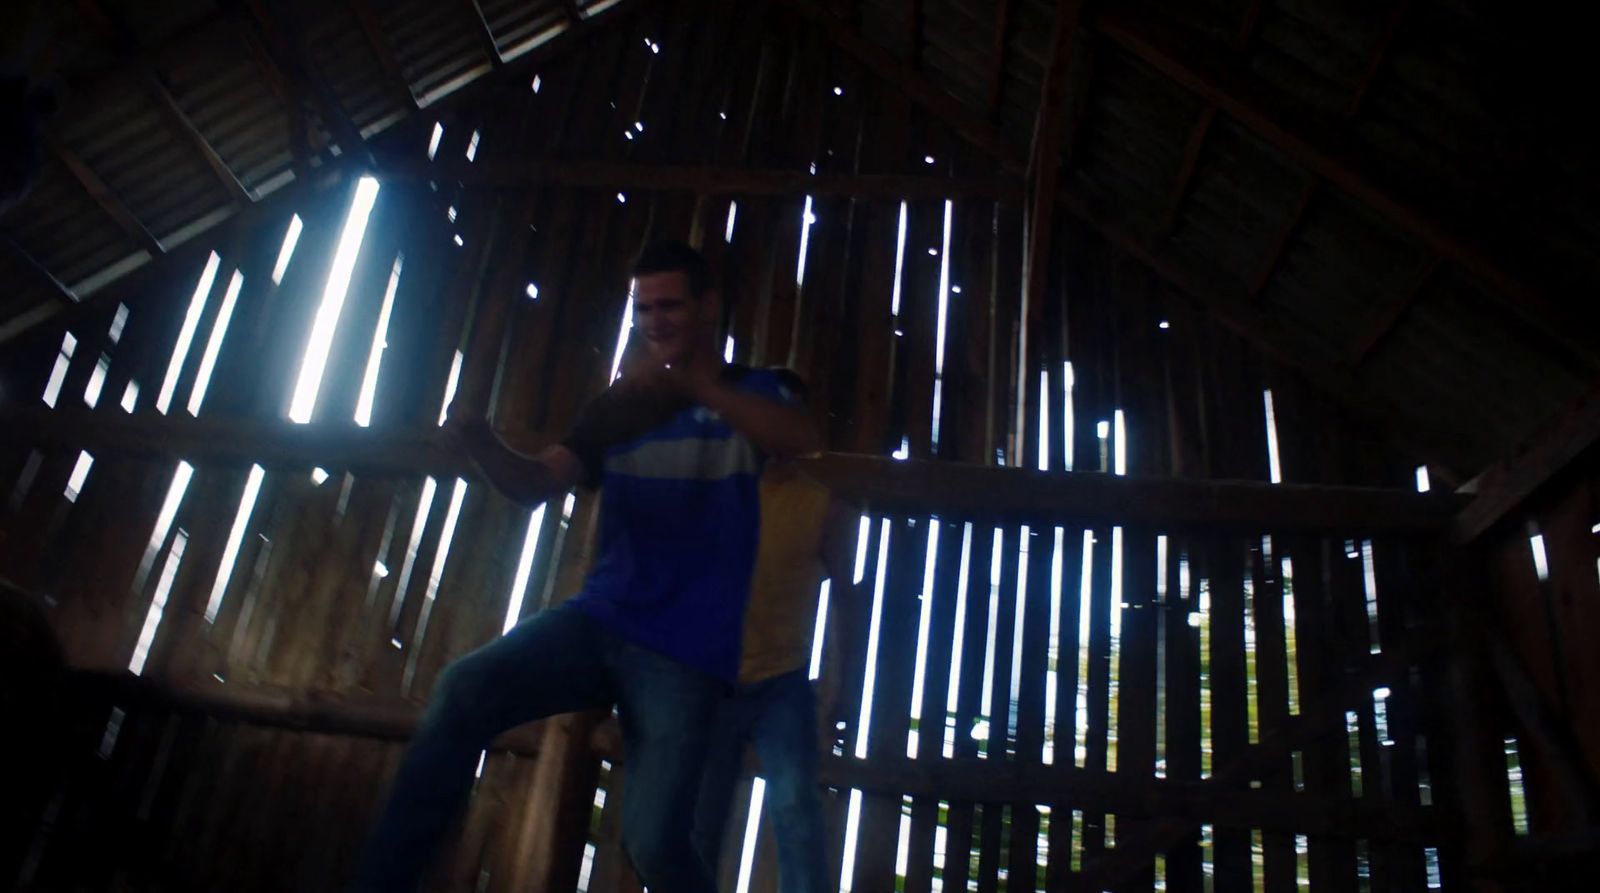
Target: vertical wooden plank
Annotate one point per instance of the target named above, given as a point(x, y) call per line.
point(1229, 705)
point(1136, 712)
point(1279, 869)
point(1326, 755)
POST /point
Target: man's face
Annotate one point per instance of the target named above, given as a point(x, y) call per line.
point(672, 320)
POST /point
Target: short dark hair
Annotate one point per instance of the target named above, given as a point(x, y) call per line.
point(675, 257)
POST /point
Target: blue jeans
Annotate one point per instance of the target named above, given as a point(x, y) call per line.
point(558, 661)
point(779, 716)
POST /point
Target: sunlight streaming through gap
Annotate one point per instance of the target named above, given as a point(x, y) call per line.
point(97, 381)
point(1119, 430)
point(1423, 484)
point(164, 519)
point(622, 334)
point(727, 350)
point(1113, 722)
point(191, 321)
point(1162, 613)
point(418, 525)
point(435, 574)
point(450, 383)
point(1514, 779)
point(958, 642)
point(733, 213)
point(230, 552)
point(1018, 626)
point(819, 630)
point(291, 238)
point(752, 831)
point(899, 262)
point(58, 373)
point(919, 673)
point(320, 342)
point(519, 584)
point(380, 342)
point(1369, 576)
point(119, 321)
point(1290, 645)
point(1068, 420)
point(219, 331)
point(158, 604)
point(864, 724)
point(852, 827)
point(1044, 419)
point(434, 138)
point(79, 476)
point(806, 219)
point(1274, 468)
point(1053, 648)
point(981, 728)
point(1080, 750)
point(940, 330)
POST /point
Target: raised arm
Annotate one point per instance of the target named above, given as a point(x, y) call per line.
point(525, 479)
point(777, 429)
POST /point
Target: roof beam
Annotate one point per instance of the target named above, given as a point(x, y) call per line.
point(486, 38)
point(40, 274)
point(1383, 321)
point(287, 54)
point(997, 73)
point(121, 37)
point(372, 30)
point(1201, 129)
point(1254, 104)
point(1504, 486)
point(1269, 264)
point(105, 198)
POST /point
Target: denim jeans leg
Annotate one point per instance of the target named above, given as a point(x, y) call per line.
point(666, 710)
point(785, 735)
point(724, 760)
point(550, 663)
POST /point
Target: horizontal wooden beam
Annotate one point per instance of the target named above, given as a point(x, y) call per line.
point(320, 712)
point(1503, 487)
point(995, 493)
point(1067, 787)
point(63, 295)
point(707, 180)
point(881, 485)
point(1320, 148)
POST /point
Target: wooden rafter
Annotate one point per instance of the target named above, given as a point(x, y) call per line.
point(485, 34)
point(1280, 245)
point(1375, 60)
point(1201, 130)
point(41, 275)
point(105, 198)
point(121, 37)
point(372, 30)
point(1186, 169)
point(1504, 486)
point(1320, 148)
point(997, 70)
point(881, 484)
point(287, 55)
point(1382, 322)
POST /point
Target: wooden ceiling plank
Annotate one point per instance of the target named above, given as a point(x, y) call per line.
point(102, 195)
point(997, 70)
point(372, 30)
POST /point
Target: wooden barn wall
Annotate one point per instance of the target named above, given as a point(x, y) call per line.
point(1134, 705)
point(1539, 676)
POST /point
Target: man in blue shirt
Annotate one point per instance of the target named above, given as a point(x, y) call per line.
point(675, 448)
